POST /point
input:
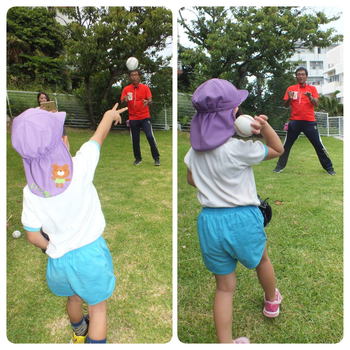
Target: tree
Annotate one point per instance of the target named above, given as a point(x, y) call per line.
point(99, 41)
point(187, 75)
point(237, 43)
point(330, 105)
point(34, 45)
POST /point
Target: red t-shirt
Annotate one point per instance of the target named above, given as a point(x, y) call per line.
point(135, 104)
point(302, 108)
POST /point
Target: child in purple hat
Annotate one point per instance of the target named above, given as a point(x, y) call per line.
point(61, 200)
point(230, 225)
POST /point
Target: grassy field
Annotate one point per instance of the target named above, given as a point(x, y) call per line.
point(137, 204)
point(305, 244)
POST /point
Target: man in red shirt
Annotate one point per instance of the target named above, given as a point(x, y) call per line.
point(302, 98)
point(138, 97)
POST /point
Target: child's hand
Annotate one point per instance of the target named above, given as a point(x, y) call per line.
point(258, 124)
point(115, 114)
point(103, 128)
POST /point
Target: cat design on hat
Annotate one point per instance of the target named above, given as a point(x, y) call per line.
point(60, 174)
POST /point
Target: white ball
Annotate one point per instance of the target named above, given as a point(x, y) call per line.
point(132, 63)
point(242, 125)
point(16, 234)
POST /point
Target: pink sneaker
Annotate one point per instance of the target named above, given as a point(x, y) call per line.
point(272, 308)
point(241, 340)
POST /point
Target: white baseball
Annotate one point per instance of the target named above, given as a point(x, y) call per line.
point(16, 234)
point(242, 125)
point(132, 63)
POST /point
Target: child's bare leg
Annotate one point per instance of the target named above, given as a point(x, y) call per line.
point(98, 321)
point(75, 308)
point(225, 288)
point(266, 276)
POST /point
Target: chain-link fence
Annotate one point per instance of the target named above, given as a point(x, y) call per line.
point(19, 101)
point(77, 117)
point(327, 126)
point(185, 111)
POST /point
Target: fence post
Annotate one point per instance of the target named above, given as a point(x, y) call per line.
point(327, 125)
point(9, 105)
point(166, 127)
point(56, 102)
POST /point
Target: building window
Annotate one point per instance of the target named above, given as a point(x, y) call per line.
point(334, 78)
point(316, 64)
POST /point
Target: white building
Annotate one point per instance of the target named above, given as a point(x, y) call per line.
point(334, 73)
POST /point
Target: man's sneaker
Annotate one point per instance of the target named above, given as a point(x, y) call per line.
point(331, 172)
point(157, 162)
point(272, 308)
point(278, 169)
point(241, 340)
point(137, 162)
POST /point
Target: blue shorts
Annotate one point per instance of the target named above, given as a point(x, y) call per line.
point(86, 272)
point(228, 235)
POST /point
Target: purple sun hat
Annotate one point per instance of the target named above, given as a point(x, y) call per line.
point(37, 137)
point(213, 123)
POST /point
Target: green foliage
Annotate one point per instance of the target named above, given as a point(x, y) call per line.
point(37, 27)
point(330, 105)
point(250, 47)
point(240, 42)
point(100, 39)
point(186, 79)
point(34, 45)
point(91, 48)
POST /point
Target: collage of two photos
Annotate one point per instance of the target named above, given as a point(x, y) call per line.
point(174, 175)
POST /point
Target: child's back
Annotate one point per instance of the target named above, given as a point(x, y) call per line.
point(74, 218)
point(224, 176)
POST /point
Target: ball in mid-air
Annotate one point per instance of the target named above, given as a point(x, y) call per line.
point(132, 63)
point(242, 125)
point(16, 234)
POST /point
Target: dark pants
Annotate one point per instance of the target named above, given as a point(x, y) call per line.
point(145, 125)
point(310, 130)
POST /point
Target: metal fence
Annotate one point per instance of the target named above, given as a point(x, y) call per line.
point(19, 101)
point(327, 126)
point(77, 117)
point(185, 111)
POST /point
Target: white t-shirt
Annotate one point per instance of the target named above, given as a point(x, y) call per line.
point(224, 176)
point(74, 218)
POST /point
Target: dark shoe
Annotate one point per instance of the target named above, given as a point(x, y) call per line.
point(137, 162)
point(157, 162)
point(278, 169)
point(331, 172)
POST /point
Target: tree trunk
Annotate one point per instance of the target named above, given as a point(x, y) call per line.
point(113, 74)
point(88, 97)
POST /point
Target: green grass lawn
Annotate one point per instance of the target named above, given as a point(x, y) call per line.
point(305, 244)
point(137, 204)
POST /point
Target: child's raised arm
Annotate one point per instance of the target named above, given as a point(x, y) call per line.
point(108, 118)
point(273, 142)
